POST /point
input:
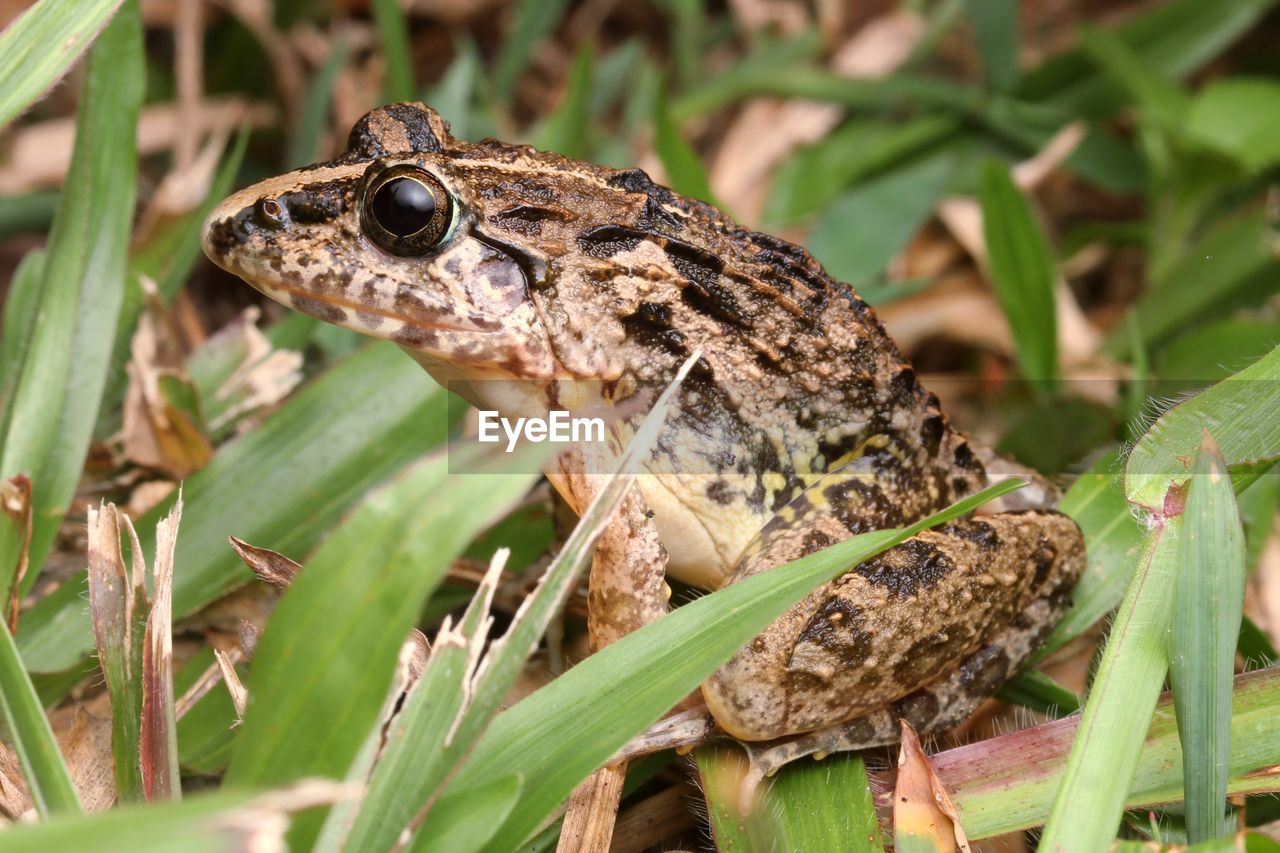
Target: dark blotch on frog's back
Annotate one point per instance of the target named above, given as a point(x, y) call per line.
point(913, 566)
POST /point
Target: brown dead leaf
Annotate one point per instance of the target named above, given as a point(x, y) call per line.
point(1262, 604)
point(157, 433)
point(239, 695)
point(84, 735)
point(921, 807)
point(270, 566)
point(15, 515)
point(264, 376)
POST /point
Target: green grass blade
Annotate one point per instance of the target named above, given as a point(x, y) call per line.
point(638, 678)
point(1241, 409)
point(865, 228)
point(1037, 691)
point(284, 484)
point(55, 401)
point(420, 754)
point(393, 37)
point(1104, 756)
point(684, 169)
point(808, 805)
point(1022, 273)
point(48, 780)
point(453, 95)
point(323, 666)
point(1206, 625)
point(995, 27)
point(465, 824)
point(42, 45)
point(304, 147)
point(533, 21)
point(566, 130)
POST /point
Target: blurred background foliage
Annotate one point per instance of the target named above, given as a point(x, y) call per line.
point(1065, 212)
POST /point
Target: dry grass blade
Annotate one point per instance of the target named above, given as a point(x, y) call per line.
point(270, 566)
point(112, 607)
point(158, 748)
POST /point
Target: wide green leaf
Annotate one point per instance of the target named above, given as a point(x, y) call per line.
point(1239, 116)
point(42, 45)
point(55, 400)
point(1023, 273)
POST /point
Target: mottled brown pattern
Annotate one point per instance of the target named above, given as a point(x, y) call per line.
point(800, 425)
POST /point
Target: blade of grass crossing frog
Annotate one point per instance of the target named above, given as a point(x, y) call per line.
point(570, 727)
point(809, 805)
point(1113, 541)
point(1022, 273)
point(48, 780)
point(420, 753)
point(531, 22)
point(393, 36)
point(281, 485)
point(1006, 783)
point(1208, 598)
point(56, 398)
point(41, 45)
point(304, 149)
point(1239, 411)
point(1122, 697)
point(566, 130)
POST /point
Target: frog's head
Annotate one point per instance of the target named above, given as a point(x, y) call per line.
point(470, 256)
point(383, 240)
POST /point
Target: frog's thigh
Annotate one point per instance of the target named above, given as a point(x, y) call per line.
point(937, 621)
point(627, 589)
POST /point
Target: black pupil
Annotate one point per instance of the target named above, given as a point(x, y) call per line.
point(403, 206)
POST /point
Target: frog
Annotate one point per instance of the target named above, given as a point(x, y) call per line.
point(528, 281)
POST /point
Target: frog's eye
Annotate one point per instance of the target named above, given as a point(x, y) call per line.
point(406, 211)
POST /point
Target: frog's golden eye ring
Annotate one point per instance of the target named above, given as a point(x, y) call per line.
point(406, 211)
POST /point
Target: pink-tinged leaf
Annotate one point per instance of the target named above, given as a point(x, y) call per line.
point(159, 744)
point(112, 609)
point(15, 539)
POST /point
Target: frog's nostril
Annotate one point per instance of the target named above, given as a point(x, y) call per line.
point(269, 213)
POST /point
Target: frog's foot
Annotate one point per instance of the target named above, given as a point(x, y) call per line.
point(682, 732)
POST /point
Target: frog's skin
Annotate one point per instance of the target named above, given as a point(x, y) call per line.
point(800, 425)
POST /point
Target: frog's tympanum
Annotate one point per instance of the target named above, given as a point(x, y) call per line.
point(800, 425)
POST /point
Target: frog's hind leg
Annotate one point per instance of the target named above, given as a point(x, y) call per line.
point(1023, 564)
point(932, 709)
